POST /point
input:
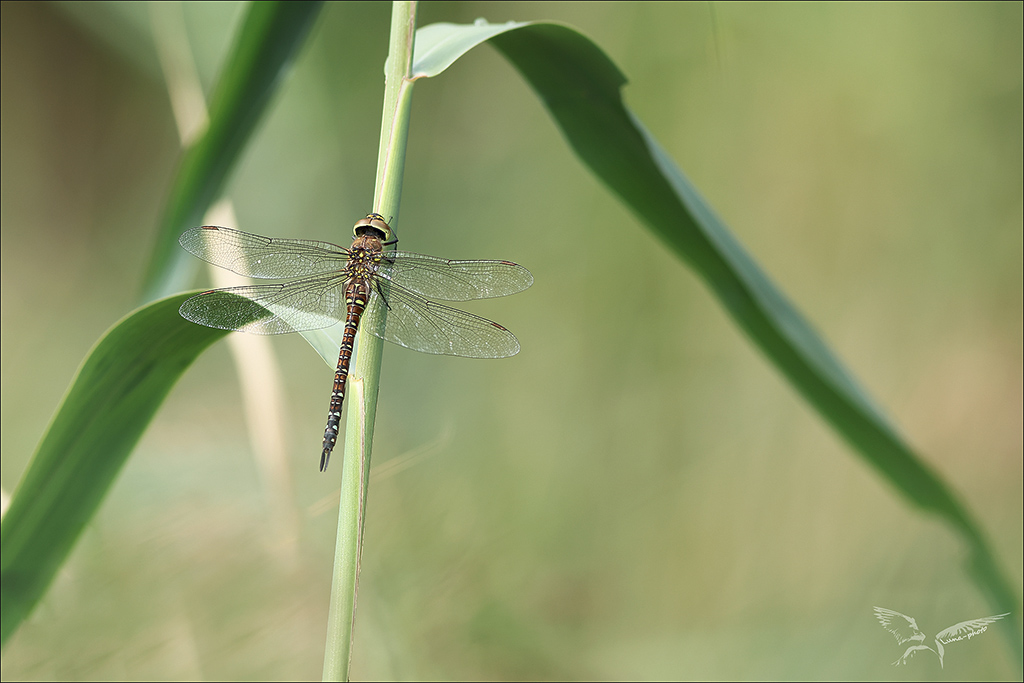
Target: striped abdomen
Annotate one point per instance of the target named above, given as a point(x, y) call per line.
point(357, 293)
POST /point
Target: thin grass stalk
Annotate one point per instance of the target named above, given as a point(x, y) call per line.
point(364, 378)
point(258, 371)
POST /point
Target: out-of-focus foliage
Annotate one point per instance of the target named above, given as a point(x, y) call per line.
point(562, 520)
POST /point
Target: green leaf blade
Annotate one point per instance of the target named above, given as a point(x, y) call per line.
point(119, 387)
point(269, 38)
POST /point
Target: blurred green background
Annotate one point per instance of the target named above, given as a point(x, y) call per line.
point(637, 494)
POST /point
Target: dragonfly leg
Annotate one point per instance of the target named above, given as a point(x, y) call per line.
point(383, 297)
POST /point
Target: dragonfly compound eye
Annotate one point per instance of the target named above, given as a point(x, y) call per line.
point(373, 223)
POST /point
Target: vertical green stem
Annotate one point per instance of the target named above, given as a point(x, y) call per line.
point(364, 378)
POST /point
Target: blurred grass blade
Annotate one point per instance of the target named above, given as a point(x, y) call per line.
point(268, 39)
point(581, 88)
point(115, 394)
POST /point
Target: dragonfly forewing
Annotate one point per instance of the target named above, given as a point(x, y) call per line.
point(262, 257)
point(449, 280)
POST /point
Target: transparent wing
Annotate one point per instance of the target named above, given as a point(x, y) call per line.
point(422, 325)
point(439, 278)
point(262, 257)
point(309, 304)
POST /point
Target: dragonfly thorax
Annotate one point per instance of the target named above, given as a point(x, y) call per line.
point(365, 247)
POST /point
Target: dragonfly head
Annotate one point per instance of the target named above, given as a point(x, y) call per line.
point(375, 225)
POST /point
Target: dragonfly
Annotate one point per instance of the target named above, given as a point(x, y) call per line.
point(387, 293)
